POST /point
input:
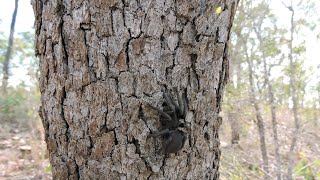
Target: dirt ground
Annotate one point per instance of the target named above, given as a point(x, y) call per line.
point(23, 155)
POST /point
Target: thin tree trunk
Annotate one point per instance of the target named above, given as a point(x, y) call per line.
point(274, 122)
point(9, 50)
point(272, 107)
point(260, 123)
point(101, 61)
point(294, 99)
point(235, 126)
point(235, 135)
point(315, 115)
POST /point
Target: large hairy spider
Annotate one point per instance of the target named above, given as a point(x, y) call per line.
point(172, 118)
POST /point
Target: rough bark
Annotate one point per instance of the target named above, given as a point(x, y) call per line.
point(100, 61)
point(9, 50)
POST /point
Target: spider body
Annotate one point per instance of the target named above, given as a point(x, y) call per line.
point(172, 117)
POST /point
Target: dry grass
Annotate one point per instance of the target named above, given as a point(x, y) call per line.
point(243, 161)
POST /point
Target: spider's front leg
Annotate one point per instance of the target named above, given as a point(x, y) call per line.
point(182, 103)
point(171, 105)
point(161, 112)
point(159, 133)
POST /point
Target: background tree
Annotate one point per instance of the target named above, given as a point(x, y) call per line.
point(256, 33)
point(9, 50)
point(268, 45)
point(297, 86)
point(100, 61)
point(254, 54)
point(259, 118)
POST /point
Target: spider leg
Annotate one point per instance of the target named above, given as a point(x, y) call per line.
point(176, 106)
point(181, 106)
point(161, 112)
point(160, 133)
point(170, 102)
point(170, 112)
point(184, 102)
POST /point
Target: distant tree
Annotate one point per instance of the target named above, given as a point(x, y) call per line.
point(296, 83)
point(3, 45)
point(259, 118)
point(9, 51)
point(269, 43)
point(250, 17)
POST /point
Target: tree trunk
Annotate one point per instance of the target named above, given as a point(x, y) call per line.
point(274, 126)
point(260, 123)
point(101, 61)
point(266, 71)
point(234, 116)
point(9, 51)
point(235, 129)
point(293, 93)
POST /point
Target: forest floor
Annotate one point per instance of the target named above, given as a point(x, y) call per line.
point(243, 161)
point(22, 154)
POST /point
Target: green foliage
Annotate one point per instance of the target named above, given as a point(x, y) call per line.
point(19, 104)
point(304, 169)
point(48, 169)
point(13, 99)
point(299, 49)
point(300, 75)
point(24, 45)
point(271, 47)
point(22, 52)
point(3, 45)
point(317, 166)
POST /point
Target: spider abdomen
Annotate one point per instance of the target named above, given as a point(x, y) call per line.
point(173, 141)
